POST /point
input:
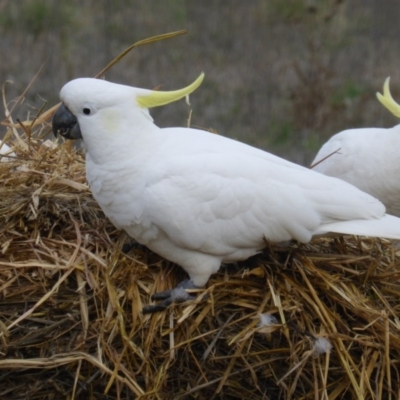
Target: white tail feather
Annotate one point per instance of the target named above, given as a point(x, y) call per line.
point(386, 227)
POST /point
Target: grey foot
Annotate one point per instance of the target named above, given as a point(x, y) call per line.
point(176, 295)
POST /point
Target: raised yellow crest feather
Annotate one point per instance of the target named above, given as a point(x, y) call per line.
point(387, 100)
point(160, 98)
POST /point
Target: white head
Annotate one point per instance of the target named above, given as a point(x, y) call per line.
point(88, 102)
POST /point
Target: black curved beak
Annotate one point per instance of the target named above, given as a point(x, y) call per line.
point(66, 124)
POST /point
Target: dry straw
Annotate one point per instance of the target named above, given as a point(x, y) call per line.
point(71, 325)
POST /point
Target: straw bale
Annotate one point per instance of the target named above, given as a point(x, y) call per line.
point(71, 324)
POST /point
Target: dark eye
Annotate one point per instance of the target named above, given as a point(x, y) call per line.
point(86, 111)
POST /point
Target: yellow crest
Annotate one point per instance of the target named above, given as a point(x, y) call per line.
point(159, 98)
point(387, 100)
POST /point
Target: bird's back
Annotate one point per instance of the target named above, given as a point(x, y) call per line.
point(368, 159)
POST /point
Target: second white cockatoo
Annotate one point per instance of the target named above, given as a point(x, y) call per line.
point(368, 158)
point(197, 198)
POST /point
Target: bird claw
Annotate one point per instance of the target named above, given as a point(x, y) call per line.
point(163, 295)
point(176, 295)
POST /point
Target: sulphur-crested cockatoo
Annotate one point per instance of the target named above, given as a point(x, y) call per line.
point(197, 198)
point(367, 158)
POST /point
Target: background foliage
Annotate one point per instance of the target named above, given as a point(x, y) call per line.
point(282, 75)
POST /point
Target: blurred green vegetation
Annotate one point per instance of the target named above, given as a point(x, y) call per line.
point(35, 17)
point(281, 75)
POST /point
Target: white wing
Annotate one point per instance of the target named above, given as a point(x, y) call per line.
point(216, 195)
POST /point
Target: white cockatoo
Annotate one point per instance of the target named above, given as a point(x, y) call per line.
point(367, 158)
point(196, 198)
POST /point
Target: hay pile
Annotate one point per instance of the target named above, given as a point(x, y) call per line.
point(70, 306)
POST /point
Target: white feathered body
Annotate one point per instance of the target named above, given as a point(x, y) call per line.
point(200, 199)
point(368, 158)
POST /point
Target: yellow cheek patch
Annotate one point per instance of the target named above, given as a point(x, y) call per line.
point(387, 100)
point(159, 98)
point(110, 119)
